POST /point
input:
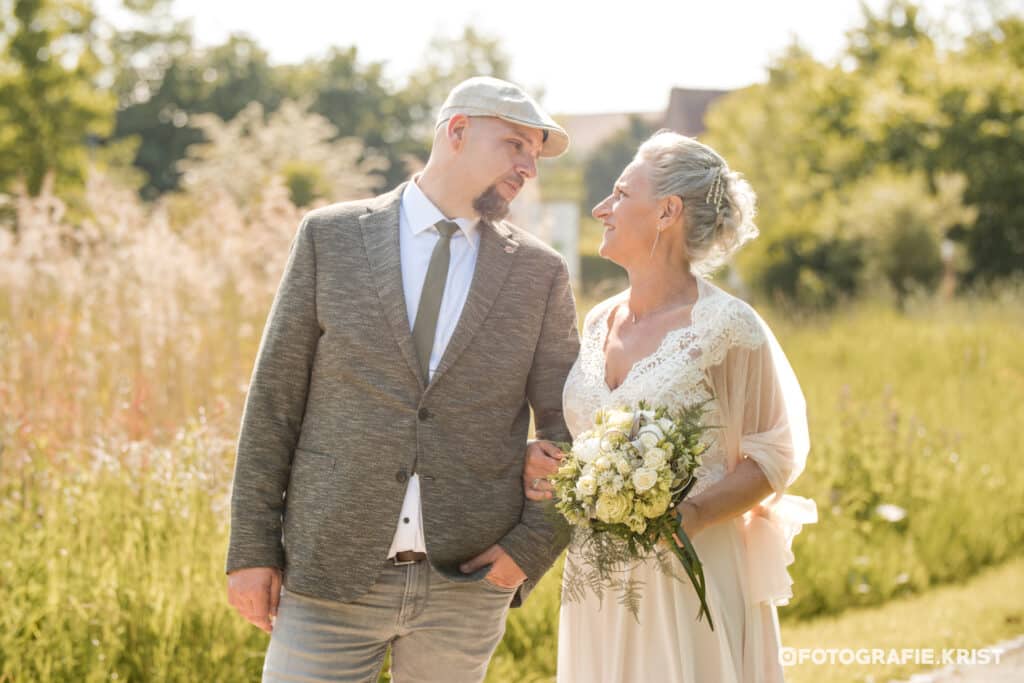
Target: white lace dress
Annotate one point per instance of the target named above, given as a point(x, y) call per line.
point(726, 354)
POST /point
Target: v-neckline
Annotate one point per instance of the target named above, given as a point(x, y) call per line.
point(605, 330)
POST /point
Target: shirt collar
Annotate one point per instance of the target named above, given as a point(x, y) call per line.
point(422, 214)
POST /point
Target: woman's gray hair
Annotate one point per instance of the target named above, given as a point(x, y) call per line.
point(718, 204)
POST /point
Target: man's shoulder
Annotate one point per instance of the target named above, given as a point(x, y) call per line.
point(341, 212)
point(533, 245)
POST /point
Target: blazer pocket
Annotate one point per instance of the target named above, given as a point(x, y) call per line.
point(309, 487)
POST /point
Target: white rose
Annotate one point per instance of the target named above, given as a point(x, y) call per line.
point(636, 523)
point(654, 458)
point(652, 429)
point(588, 449)
point(644, 478)
point(622, 466)
point(619, 419)
point(603, 463)
point(648, 439)
point(612, 509)
point(586, 485)
point(652, 508)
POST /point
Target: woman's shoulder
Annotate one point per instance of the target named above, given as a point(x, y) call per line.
point(599, 310)
point(733, 320)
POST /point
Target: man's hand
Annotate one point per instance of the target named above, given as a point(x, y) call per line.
point(504, 573)
point(255, 592)
point(542, 460)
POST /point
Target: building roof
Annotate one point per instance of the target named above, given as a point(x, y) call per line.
point(587, 131)
point(687, 107)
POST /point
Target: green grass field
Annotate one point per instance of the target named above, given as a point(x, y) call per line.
point(117, 448)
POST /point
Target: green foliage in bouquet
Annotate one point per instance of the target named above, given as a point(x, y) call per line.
point(620, 484)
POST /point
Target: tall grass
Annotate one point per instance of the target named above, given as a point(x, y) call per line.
point(125, 345)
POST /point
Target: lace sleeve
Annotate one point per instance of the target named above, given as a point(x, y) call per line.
point(760, 397)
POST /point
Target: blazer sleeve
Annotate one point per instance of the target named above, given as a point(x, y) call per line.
point(541, 535)
point(274, 409)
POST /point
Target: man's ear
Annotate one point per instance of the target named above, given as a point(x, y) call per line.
point(456, 131)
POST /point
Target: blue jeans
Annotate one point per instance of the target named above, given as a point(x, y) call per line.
point(438, 630)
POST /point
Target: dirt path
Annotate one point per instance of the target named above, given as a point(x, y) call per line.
point(1009, 669)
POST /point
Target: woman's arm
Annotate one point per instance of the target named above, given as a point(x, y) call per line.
point(739, 491)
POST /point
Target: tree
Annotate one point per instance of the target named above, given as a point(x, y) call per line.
point(359, 102)
point(902, 103)
point(51, 107)
point(244, 155)
point(448, 62)
point(602, 168)
point(222, 81)
point(983, 102)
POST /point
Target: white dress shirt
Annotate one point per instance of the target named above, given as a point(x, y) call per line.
point(416, 239)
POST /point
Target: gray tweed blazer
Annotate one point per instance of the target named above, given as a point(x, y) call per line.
point(337, 417)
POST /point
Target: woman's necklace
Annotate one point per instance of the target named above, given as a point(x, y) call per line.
point(634, 318)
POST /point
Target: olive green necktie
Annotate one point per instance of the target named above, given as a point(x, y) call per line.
point(430, 299)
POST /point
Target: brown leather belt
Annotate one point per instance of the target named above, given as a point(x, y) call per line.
point(408, 557)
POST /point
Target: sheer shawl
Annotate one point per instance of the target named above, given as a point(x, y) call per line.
point(764, 418)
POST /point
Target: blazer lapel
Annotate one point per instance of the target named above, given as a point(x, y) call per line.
point(497, 251)
point(380, 237)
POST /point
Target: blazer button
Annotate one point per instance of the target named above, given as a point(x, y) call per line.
point(401, 477)
point(423, 414)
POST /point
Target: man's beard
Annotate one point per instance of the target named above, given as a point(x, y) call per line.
point(490, 205)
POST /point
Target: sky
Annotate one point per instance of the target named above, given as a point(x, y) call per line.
point(587, 58)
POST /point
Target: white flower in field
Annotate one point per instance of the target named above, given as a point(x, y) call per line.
point(648, 439)
point(890, 512)
point(586, 485)
point(655, 458)
point(644, 478)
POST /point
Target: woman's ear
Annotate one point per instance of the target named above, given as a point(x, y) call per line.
point(671, 210)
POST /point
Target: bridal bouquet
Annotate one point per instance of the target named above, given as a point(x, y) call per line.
point(621, 481)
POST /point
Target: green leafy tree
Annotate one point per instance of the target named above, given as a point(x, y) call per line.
point(359, 102)
point(448, 62)
point(51, 108)
point(602, 168)
point(222, 81)
point(907, 101)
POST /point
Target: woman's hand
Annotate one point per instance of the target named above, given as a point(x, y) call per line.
point(542, 459)
point(690, 514)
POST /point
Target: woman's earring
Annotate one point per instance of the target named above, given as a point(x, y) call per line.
point(655, 246)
